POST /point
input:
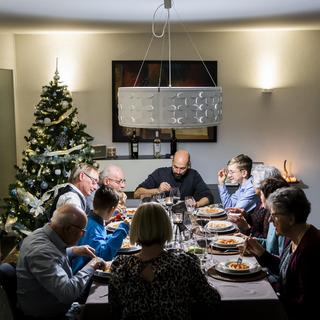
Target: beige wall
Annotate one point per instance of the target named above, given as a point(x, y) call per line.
point(7, 51)
point(268, 127)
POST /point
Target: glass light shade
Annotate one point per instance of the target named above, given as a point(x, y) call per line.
point(169, 107)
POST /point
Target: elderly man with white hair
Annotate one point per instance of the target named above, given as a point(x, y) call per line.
point(82, 182)
point(113, 177)
point(46, 286)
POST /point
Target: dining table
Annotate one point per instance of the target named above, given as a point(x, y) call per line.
point(243, 297)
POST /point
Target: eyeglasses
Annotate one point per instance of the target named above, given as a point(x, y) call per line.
point(118, 181)
point(93, 180)
point(82, 229)
point(233, 172)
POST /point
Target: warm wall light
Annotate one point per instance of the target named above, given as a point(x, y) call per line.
point(267, 73)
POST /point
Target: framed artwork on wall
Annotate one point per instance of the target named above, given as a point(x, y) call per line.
point(183, 74)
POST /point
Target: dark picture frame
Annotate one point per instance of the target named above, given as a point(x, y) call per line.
point(184, 73)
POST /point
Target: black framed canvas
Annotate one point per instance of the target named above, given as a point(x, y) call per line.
point(183, 74)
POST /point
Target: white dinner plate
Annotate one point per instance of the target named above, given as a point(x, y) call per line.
point(210, 212)
point(218, 225)
point(225, 267)
point(113, 225)
point(230, 229)
point(225, 242)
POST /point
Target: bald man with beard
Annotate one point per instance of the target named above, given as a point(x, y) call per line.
point(179, 175)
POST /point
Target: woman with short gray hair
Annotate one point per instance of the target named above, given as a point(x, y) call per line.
point(298, 267)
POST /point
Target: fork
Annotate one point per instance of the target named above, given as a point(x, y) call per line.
point(239, 260)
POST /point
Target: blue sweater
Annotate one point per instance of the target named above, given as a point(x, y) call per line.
point(106, 245)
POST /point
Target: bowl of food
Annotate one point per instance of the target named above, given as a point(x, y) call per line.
point(216, 226)
point(228, 241)
point(238, 268)
point(210, 211)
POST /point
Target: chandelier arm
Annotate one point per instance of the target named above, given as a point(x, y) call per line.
point(144, 59)
point(194, 47)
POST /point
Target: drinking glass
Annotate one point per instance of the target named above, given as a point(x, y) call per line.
point(175, 194)
point(161, 198)
point(190, 203)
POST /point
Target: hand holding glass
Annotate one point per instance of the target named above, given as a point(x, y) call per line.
point(190, 203)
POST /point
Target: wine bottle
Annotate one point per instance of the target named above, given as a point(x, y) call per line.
point(134, 145)
point(157, 146)
point(173, 143)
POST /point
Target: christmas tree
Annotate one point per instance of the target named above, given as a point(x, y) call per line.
point(56, 142)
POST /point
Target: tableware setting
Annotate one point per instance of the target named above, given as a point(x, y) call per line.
point(227, 242)
point(128, 248)
point(112, 226)
point(218, 226)
point(230, 270)
point(210, 212)
point(103, 274)
point(130, 212)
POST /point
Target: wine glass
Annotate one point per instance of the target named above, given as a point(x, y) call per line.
point(161, 198)
point(190, 203)
point(175, 194)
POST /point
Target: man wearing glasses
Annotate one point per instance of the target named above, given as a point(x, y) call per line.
point(239, 172)
point(83, 181)
point(46, 285)
point(112, 176)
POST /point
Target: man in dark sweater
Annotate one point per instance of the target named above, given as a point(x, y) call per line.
point(181, 176)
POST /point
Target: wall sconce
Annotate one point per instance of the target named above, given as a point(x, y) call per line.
point(266, 90)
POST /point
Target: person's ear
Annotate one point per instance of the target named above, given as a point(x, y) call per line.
point(244, 173)
point(189, 164)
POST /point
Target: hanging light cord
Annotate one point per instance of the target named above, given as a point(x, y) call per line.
point(194, 46)
point(161, 35)
point(154, 35)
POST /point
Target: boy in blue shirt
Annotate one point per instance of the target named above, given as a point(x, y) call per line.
point(106, 245)
point(239, 172)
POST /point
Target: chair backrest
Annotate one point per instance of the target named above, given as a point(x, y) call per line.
point(8, 280)
point(5, 307)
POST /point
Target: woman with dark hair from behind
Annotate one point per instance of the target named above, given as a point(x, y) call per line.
point(298, 267)
point(156, 284)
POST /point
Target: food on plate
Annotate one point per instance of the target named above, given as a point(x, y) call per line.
point(215, 225)
point(227, 241)
point(237, 266)
point(126, 244)
point(195, 250)
point(106, 267)
point(114, 225)
point(218, 225)
point(208, 210)
point(131, 212)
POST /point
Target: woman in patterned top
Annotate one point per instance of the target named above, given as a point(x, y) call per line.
point(156, 284)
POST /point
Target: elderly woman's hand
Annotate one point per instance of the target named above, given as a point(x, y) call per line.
point(240, 221)
point(254, 247)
